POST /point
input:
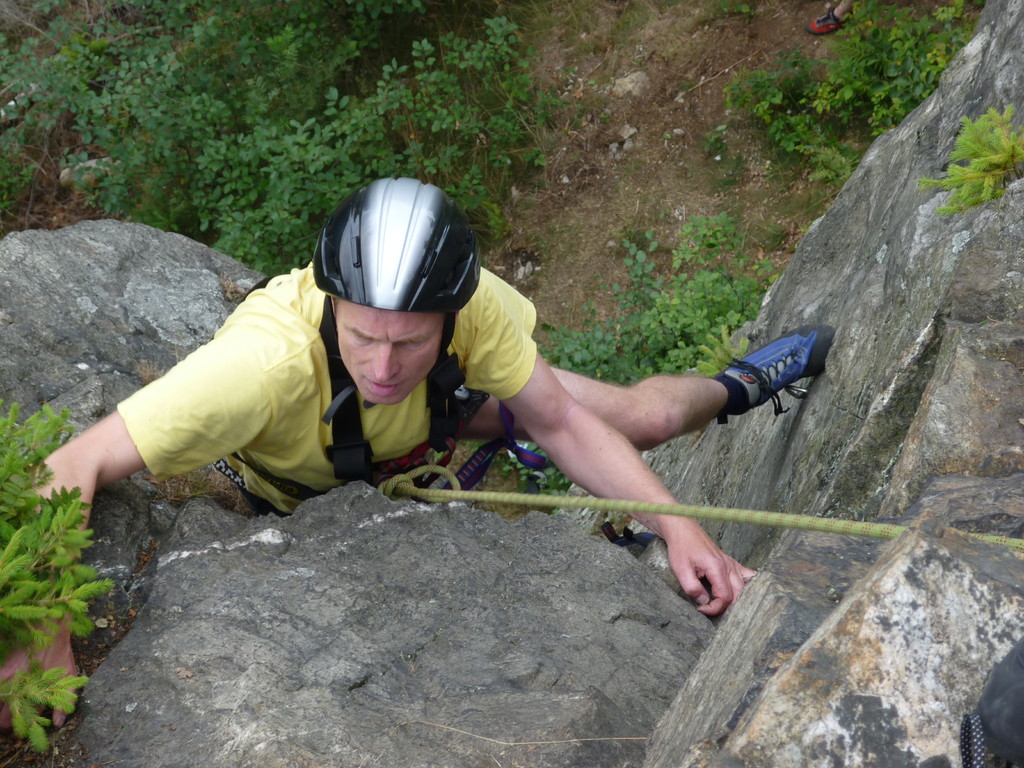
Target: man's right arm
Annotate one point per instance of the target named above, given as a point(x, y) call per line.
point(99, 456)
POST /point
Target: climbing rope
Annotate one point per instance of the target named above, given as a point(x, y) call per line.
point(402, 486)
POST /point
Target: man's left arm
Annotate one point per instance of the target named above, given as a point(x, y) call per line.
point(598, 458)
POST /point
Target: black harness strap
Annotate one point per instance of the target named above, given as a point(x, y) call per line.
point(443, 380)
point(349, 453)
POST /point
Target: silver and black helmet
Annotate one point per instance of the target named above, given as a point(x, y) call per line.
point(398, 244)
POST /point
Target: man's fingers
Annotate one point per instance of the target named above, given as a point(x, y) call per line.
point(714, 608)
point(712, 593)
point(698, 590)
point(718, 590)
point(58, 719)
point(58, 654)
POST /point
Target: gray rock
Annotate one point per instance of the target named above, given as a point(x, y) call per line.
point(800, 586)
point(634, 84)
point(885, 680)
point(917, 416)
point(84, 311)
point(987, 505)
point(361, 628)
point(924, 377)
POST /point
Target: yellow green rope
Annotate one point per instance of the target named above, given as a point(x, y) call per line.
point(402, 486)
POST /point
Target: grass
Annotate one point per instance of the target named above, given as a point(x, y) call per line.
point(204, 483)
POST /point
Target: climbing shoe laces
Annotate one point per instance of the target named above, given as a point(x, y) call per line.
point(751, 375)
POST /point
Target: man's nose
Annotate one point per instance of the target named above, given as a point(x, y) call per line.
point(384, 363)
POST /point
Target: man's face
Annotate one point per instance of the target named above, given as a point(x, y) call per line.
point(387, 353)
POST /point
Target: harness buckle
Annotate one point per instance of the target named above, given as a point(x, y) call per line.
point(352, 460)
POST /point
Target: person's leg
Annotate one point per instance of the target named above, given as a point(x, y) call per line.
point(832, 20)
point(648, 413)
point(842, 9)
point(653, 410)
point(659, 408)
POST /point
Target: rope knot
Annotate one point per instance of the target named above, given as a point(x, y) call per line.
point(403, 486)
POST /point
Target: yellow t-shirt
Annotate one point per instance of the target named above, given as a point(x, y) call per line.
point(261, 386)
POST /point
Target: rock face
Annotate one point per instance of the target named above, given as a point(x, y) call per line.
point(363, 632)
point(87, 314)
point(87, 311)
point(924, 378)
point(361, 627)
point(921, 403)
point(877, 681)
point(883, 680)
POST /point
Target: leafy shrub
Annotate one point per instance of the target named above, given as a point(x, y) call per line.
point(737, 8)
point(887, 61)
point(663, 320)
point(42, 583)
point(14, 177)
point(243, 124)
point(435, 119)
point(779, 98)
point(719, 352)
point(548, 481)
point(993, 153)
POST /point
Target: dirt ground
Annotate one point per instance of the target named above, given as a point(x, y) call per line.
point(569, 223)
point(571, 227)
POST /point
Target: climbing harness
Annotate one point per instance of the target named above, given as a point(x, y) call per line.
point(627, 538)
point(451, 405)
point(476, 466)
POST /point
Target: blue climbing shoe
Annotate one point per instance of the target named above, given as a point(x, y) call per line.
point(761, 375)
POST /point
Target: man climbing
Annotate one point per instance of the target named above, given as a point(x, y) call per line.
point(382, 353)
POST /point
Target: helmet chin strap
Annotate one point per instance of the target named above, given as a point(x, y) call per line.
point(447, 334)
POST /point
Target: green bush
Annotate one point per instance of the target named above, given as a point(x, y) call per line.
point(663, 321)
point(243, 124)
point(781, 98)
point(778, 97)
point(437, 119)
point(15, 175)
point(993, 153)
point(886, 62)
point(549, 480)
point(42, 582)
